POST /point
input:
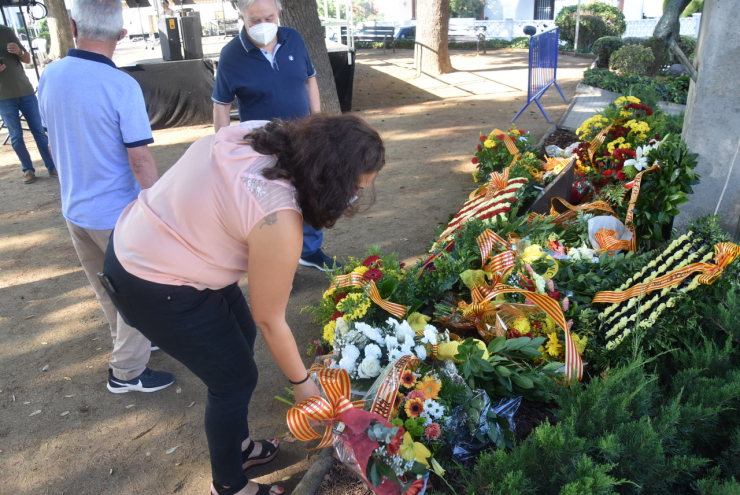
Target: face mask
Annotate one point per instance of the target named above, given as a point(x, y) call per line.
point(352, 200)
point(263, 33)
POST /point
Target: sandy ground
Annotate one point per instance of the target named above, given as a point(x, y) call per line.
point(86, 440)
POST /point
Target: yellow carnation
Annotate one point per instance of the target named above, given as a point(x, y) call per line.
point(329, 330)
point(489, 143)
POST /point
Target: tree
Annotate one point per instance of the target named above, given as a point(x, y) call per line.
point(59, 29)
point(303, 16)
point(432, 23)
point(467, 8)
point(694, 7)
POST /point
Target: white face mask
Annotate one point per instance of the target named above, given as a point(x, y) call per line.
point(263, 33)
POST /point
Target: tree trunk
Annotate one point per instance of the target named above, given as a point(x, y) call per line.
point(432, 55)
point(303, 15)
point(59, 29)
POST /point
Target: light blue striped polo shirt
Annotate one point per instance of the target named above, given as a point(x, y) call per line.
point(93, 113)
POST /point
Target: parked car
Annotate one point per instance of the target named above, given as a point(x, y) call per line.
point(406, 33)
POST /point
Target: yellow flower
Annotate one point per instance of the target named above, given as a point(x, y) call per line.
point(580, 343)
point(625, 114)
point(329, 330)
point(437, 468)
point(615, 144)
point(489, 143)
point(553, 346)
point(430, 386)
point(515, 132)
point(550, 324)
point(522, 325)
point(361, 270)
point(625, 99)
point(329, 294)
point(418, 321)
point(414, 451)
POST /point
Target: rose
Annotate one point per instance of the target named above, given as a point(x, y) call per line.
point(373, 274)
point(500, 137)
point(475, 160)
point(480, 148)
point(482, 139)
point(369, 368)
point(554, 295)
point(522, 131)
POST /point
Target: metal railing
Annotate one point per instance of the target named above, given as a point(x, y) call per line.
point(543, 66)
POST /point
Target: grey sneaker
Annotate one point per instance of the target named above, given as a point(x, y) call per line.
point(29, 177)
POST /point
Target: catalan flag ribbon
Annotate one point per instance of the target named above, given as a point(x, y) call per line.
point(357, 280)
point(336, 386)
point(502, 262)
point(724, 254)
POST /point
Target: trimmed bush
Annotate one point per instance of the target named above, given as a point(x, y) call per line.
point(592, 28)
point(667, 88)
point(661, 54)
point(632, 59)
point(605, 47)
point(612, 17)
point(631, 40)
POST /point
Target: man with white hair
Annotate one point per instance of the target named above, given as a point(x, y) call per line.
point(98, 134)
point(268, 70)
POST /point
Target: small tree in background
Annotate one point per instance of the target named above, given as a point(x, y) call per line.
point(467, 8)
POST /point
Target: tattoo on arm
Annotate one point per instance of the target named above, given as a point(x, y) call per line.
point(270, 219)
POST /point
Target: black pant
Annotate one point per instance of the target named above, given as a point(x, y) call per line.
point(212, 333)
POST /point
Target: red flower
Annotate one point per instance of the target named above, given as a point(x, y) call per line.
point(402, 265)
point(373, 274)
point(396, 441)
point(575, 196)
point(480, 148)
point(433, 431)
point(621, 176)
point(475, 160)
point(528, 285)
point(608, 172)
point(657, 137)
point(372, 261)
point(522, 131)
point(500, 137)
point(416, 394)
point(415, 487)
point(537, 325)
point(340, 297)
point(336, 315)
point(482, 138)
point(554, 295)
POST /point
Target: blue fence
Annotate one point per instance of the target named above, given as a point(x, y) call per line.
point(543, 67)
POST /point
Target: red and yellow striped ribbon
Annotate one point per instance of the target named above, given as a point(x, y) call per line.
point(598, 140)
point(496, 184)
point(724, 254)
point(573, 360)
point(357, 280)
point(386, 395)
point(609, 241)
point(336, 385)
point(507, 140)
point(503, 262)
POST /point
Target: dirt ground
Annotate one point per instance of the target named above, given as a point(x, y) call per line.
point(86, 440)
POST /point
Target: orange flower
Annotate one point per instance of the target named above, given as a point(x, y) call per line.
point(414, 408)
point(408, 379)
point(430, 386)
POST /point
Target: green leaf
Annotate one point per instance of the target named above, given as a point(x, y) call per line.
point(503, 371)
point(496, 345)
point(419, 468)
point(522, 381)
point(374, 477)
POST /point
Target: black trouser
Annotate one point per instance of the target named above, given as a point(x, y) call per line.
point(212, 333)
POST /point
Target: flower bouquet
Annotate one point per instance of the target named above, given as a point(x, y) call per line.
point(381, 454)
point(495, 151)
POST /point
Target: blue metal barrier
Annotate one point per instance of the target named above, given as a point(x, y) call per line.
point(543, 66)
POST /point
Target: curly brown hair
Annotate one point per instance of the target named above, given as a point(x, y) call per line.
point(324, 157)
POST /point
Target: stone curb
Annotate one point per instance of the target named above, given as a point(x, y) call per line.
point(311, 481)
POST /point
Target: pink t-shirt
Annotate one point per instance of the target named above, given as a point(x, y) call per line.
point(191, 227)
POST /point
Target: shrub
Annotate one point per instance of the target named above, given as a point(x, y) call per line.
point(592, 28)
point(631, 40)
point(661, 54)
point(604, 47)
point(688, 46)
point(667, 88)
point(632, 59)
point(612, 17)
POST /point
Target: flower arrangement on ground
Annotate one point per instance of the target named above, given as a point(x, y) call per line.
point(494, 155)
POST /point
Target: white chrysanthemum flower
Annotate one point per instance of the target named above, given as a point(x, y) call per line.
point(394, 354)
point(391, 342)
point(351, 352)
point(420, 352)
point(371, 333)
point(430, 335)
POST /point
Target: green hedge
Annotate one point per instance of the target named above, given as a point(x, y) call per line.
point(612, 17)
point(491, 44)
point(605, 47)
point(667, 88)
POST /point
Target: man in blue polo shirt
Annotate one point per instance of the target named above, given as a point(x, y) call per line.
point(268, 70)
point(98, 134)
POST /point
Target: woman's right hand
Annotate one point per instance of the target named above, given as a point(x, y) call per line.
point(305, 390)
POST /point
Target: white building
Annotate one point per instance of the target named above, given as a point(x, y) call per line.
point(497, 10)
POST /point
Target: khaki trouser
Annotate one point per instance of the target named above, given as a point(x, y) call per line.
point(131, 349)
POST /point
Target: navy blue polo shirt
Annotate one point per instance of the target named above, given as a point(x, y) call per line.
point(265, 91)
